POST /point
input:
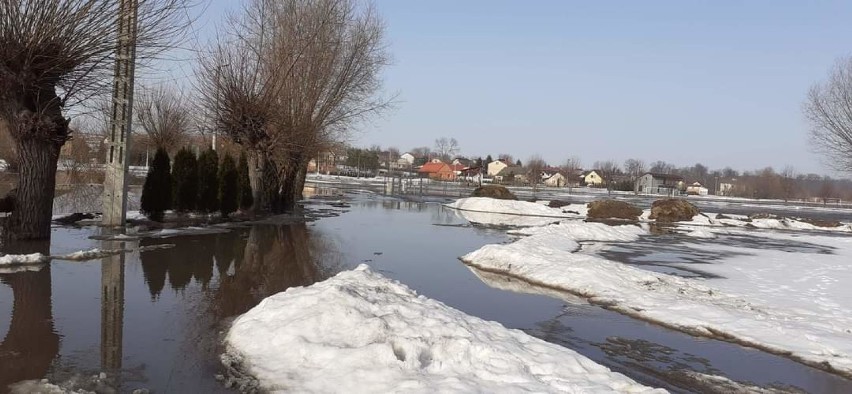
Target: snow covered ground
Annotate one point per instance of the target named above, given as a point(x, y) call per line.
point(365, 333)
point(794, 304)
point(11, 263)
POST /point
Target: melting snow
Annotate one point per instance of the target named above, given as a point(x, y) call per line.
point(786, 303)
point(365, 333)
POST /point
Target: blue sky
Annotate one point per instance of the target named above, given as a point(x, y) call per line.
point(720, 83)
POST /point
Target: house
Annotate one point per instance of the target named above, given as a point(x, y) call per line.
point(435, 160)
point(696, 189)
point(496, 166)
point(406, 159)
point(463, 161)
point(457, 168)
point(592, 178)
point(511, 174)
point(653, 183)
point(554, 180)
point(726, 186)
point(437, 171)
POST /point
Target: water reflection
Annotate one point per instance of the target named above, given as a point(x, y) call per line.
point(112, 307)
point(31, 344)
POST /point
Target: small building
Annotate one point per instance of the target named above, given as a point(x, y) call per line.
point(463, 161)
point(695, 189)
point(593, 178)
point(511, 175)
point(555, 180)
point(653, 183)
point(726, 186)
point(406, 159)
point(437, 171)
point(496, 166)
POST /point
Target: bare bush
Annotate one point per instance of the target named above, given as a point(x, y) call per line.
point(162, 114)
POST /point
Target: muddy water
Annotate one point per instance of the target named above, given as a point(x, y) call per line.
point(152, 319)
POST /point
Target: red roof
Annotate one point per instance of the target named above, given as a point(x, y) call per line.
point(432, 168)
point(458, 167)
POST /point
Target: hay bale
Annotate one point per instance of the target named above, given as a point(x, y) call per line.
point(613, 209)
point(673, 210)
point(494, 191)
point(558, 203)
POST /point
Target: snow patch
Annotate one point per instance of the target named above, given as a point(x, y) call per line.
point(765, 316)
point(507, 207)
point(23, 259)
point(372, 334)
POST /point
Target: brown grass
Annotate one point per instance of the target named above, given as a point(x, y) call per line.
point(494, 191)
point(613, 209)
point(673, 210)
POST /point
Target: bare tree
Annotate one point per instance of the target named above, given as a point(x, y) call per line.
point(162, 114)
point(535, 168)
point(7, 147)
point(788, 182)
point(303, 75)
point(571, 168)
point(506, 157)
point(661, 167)
point(828, 107)
point(446, 148)
point(55, 54)
point(634, 168)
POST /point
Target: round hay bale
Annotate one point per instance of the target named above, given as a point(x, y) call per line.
point(613, 209)
point(494, 191)
point(673, 210)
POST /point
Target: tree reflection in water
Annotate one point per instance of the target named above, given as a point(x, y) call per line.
point(250, 264)
point(31, 344)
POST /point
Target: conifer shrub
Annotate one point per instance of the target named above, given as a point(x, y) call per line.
point(228, 186)
point(246, 197)
point(208, 181)
point(185, 181)
point(157, 191)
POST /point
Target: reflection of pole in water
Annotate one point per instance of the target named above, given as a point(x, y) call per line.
point(112, 307)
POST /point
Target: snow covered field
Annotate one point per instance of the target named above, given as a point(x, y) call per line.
point(365, 333)
point(793, 304)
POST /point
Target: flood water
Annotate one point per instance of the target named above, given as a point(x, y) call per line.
point(153, 319)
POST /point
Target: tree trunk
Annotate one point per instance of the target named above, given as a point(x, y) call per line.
point(36, 187)
point(31, 343)
point(264, 183)
point(294, 182)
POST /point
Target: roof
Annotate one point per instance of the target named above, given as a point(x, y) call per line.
point(432, 168)
point(664, 176)
point(512, 170)
point(457, 167)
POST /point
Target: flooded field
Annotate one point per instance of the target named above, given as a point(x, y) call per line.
point(152, 317)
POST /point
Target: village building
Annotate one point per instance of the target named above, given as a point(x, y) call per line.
point(653, 183)
point(496, 166)
point(437, 171)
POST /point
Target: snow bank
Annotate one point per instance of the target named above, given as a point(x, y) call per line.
point(551, 257)
point(499, 219)
point(23, 259)
point(365, 333)
point(508, 207)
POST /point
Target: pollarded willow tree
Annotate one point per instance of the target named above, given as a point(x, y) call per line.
point(161, 112)
point(314, 68)
point(829, 109)
point(55, 55)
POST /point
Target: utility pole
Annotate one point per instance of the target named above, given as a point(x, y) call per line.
point(115, 180)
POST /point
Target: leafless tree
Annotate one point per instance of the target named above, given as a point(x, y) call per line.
point(634, 168)
point(306, 73)
point(828, 107)
point(535, 168)
point(661, 167)
point(54, 55)
point(162, 113)
point(7, 147)
point(506, 157)
point(446, 148)
point(571, 168)
point(607, 169)
point(789, 185)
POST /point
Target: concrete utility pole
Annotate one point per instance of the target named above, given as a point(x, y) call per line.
point(118, 146)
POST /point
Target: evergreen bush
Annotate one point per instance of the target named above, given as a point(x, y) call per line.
point(185, 180)
point(208, 181)
point(245, 193)
point(228, 186)
point(157, 191)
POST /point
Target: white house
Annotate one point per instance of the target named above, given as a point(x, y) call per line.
point(555, 180)
point(592, 178)
point(696, 189)
point(495, 167)
point(651, 183)
point(406, 159)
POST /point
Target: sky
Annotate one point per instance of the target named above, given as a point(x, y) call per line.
point(714, 82)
